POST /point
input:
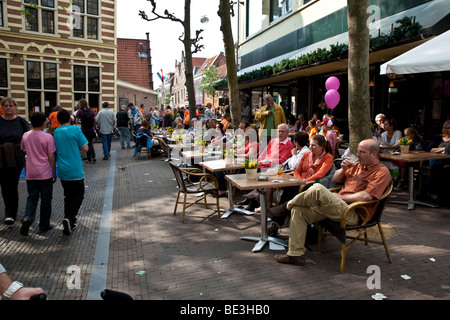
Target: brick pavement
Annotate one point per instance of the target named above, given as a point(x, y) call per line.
point(204, 258)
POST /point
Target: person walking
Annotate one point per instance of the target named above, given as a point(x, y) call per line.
point(106, 119)
point(136, 117)
point(40, 173)
point(12, 158)
point(69, 140)
point(86, 117)
point(122, 125)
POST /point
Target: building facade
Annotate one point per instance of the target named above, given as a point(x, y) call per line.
point(284, 48)
point(56, 52)
point(202, 98)
point(179, 91)
point(134, 74)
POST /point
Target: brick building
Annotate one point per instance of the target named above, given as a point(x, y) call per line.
point(134, 73)
point(53, 54)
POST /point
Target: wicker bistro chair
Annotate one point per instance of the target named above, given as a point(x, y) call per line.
point(187, 184)
point(338, 229)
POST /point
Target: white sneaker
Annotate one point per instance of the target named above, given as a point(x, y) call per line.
point(9, 221)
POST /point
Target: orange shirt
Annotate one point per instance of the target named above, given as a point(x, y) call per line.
point(54, 120)
point(373, 179)
point(224, 122)
point(312, 132)
point(186, 117)
point(303, 167)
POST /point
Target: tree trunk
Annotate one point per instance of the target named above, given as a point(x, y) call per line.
point(233, 90)
point(358, 73)
point(188, 71)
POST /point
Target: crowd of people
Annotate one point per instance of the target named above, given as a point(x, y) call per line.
point(305, 147)
point(387, 134)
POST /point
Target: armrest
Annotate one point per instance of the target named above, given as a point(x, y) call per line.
point(354, 206)
point(204, 177)
point(305, 186)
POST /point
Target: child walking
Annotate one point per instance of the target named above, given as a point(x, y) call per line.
point(40, 173)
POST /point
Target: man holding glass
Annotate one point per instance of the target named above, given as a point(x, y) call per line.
point(365, 180)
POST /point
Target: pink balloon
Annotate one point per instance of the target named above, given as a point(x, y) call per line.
point(332, 98)
point(332, 83)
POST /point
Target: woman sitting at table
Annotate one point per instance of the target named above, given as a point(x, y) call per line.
point(250, 149)
point(390, 136)
point(316, 165)
point(217, 140)
point(145, 134)
point(437, 179)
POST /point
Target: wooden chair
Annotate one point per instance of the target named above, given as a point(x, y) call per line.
point(187, 184)
point(338, 229)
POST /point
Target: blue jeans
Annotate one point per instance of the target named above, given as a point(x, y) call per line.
point(73, 198)
point(106, 144)
point(124, 134)
point(44, 190)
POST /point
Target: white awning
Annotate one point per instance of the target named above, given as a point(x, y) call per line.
point(432, 56)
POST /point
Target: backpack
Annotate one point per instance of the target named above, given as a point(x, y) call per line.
point(87, 121)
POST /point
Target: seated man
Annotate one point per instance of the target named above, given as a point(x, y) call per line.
point(277, 152)
point(364, 181)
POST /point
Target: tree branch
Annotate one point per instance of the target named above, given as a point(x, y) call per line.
point(195, 42)
point(167, 15)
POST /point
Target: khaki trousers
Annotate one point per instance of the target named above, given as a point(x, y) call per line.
point(315, 204)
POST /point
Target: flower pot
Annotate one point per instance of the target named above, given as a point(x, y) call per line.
point(251, 173)
point(404, 148)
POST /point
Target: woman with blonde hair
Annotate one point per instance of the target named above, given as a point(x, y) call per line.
point(12, 158)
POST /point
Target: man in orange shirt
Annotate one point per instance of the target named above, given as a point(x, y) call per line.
point(186, 120)
point(226, 119)
point(54, 123)
point(363, 181)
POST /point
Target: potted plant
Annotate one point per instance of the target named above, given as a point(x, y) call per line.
point(404, 144)
point(251, 168)
point(228, 154)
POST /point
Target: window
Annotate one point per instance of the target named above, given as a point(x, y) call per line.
point(2, 24)
point(42, 86)
point(4, 77)
point(86, 84)
point(279, 8)
point(86, 25)
point(40, 15)
point(254, 16)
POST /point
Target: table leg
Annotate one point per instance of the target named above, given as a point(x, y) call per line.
point(264, 239)
point(411, 202)
point(231, 208)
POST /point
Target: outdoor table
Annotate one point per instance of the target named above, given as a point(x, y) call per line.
point(193, 154)
point(411, 157)
point(220, 165)
point(277, 181)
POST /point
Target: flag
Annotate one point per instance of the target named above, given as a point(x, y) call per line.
point(162, 75)
point(159, 75)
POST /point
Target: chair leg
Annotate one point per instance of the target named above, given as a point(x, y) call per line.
point(343, 256)
point(184, 208)
point(176, 203)
point(384, 242)
point(218, 207)
point(206, 203)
